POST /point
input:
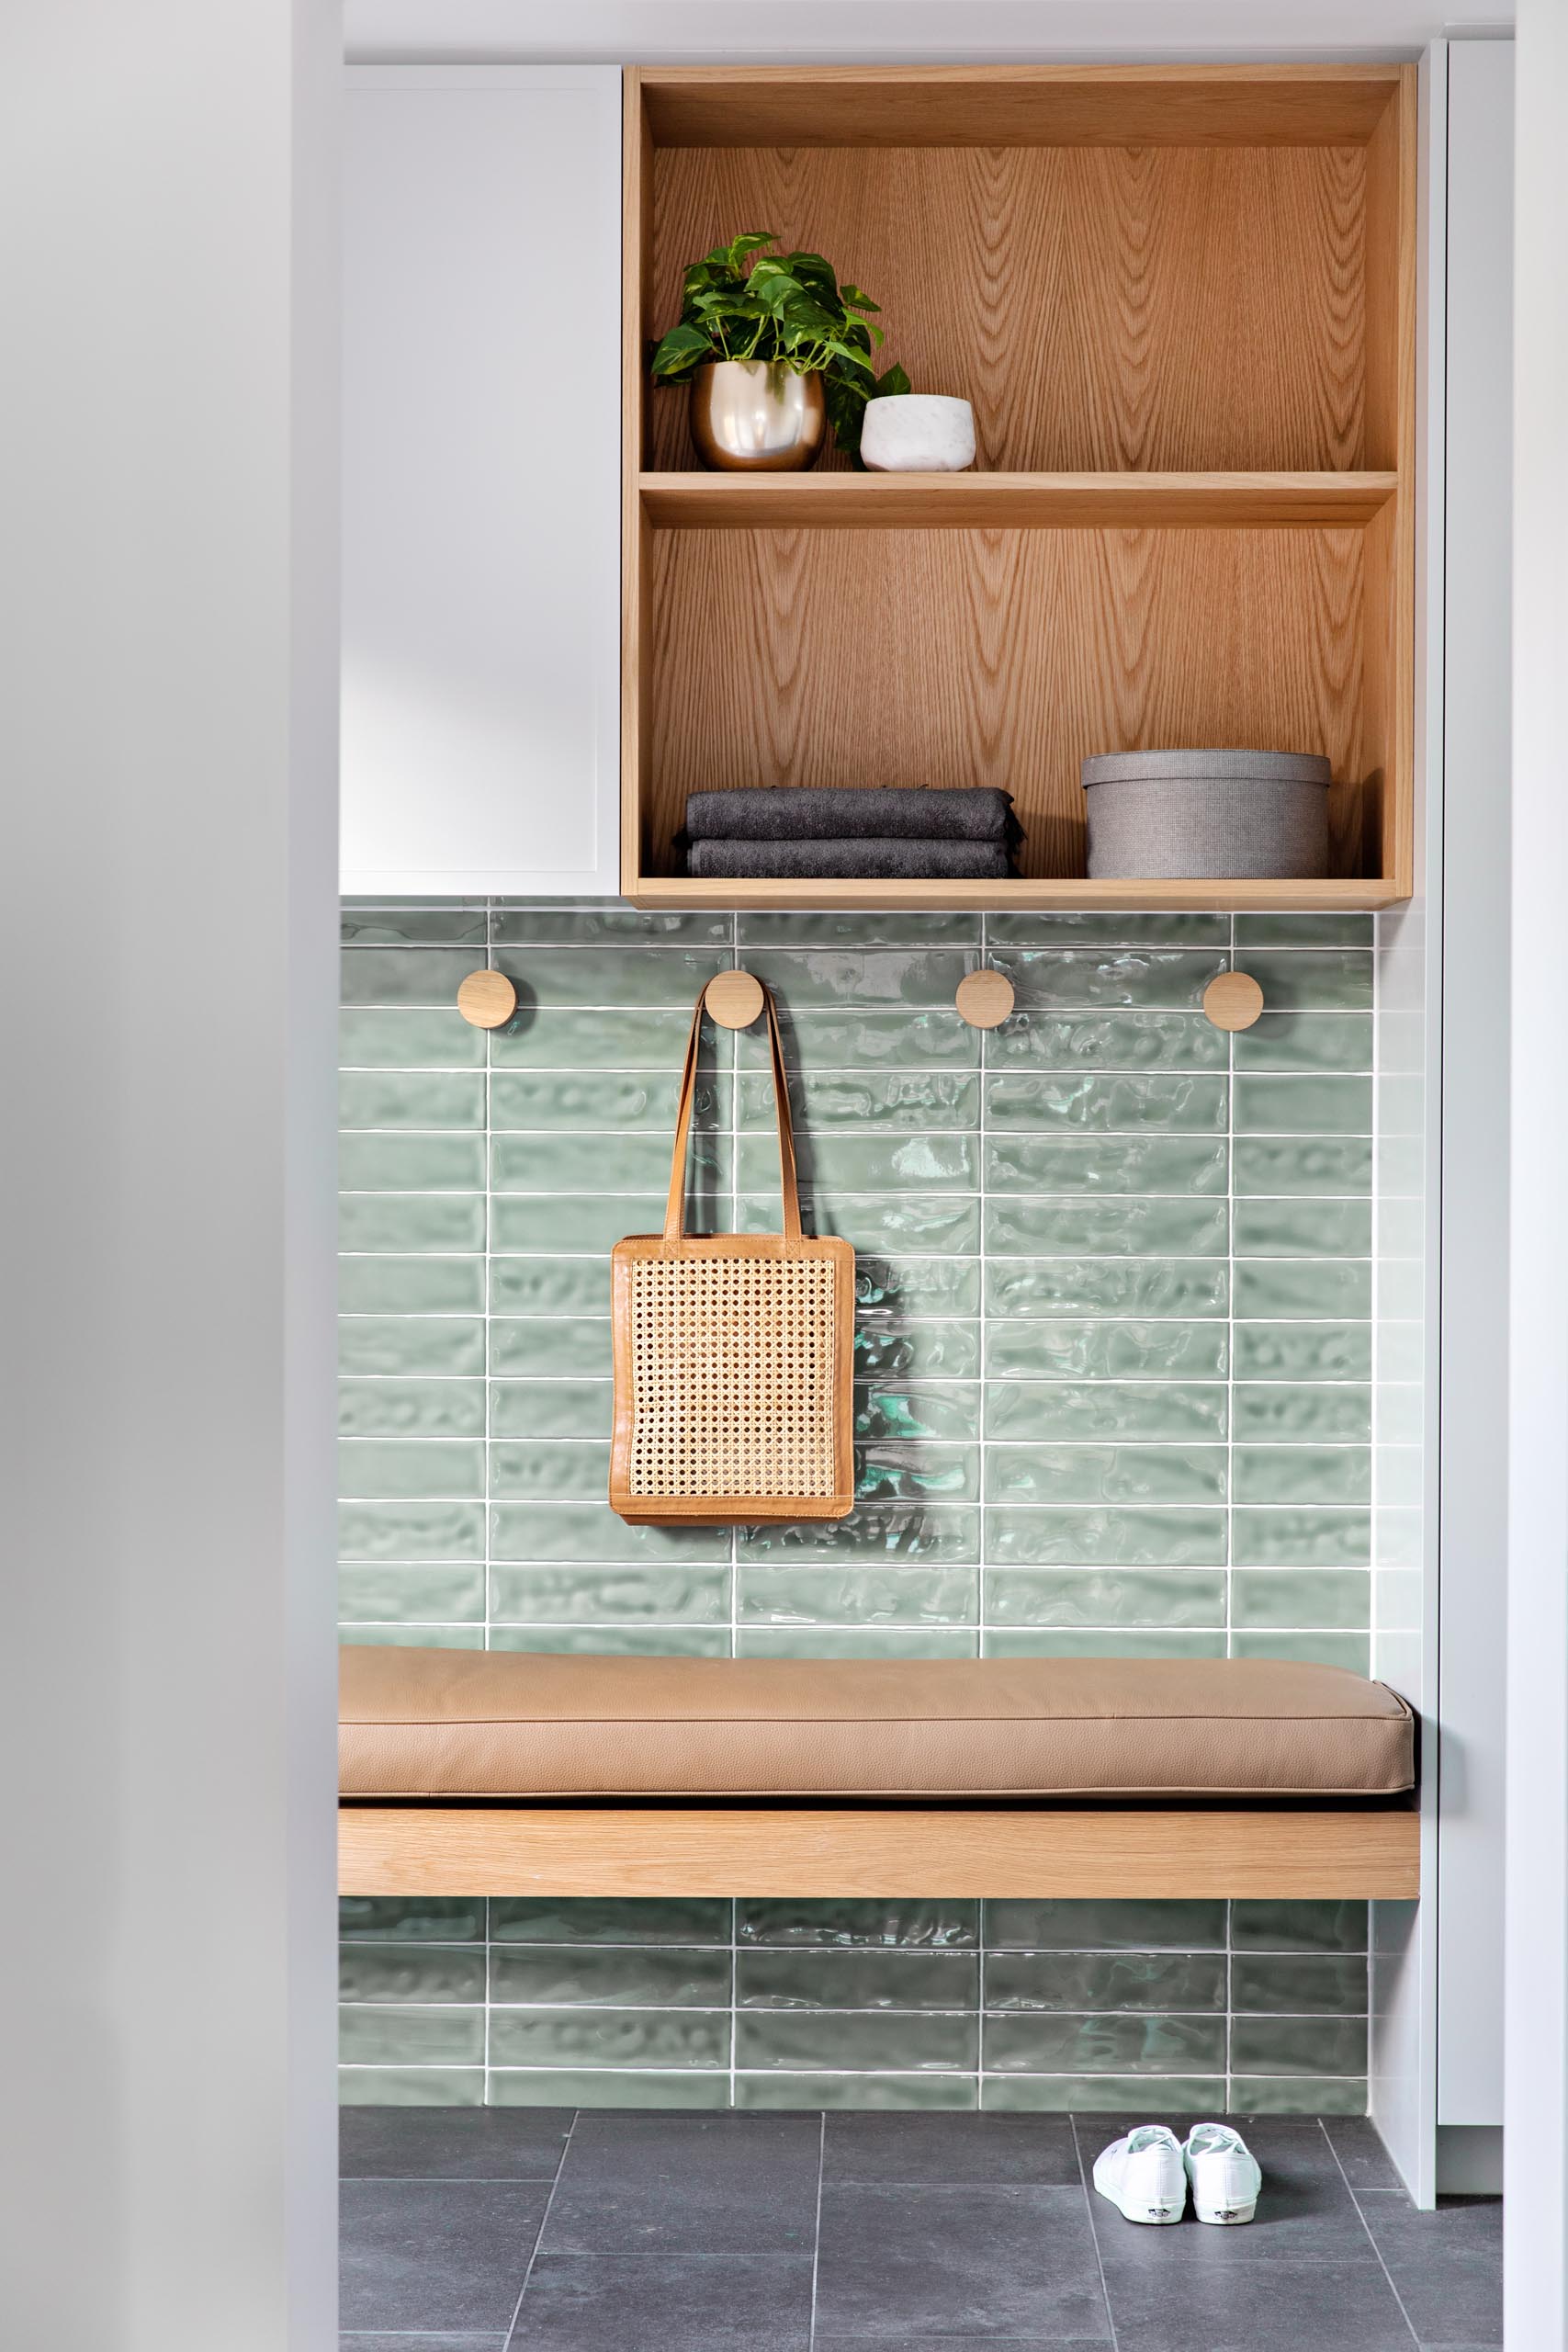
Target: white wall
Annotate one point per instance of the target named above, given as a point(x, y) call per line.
point(167, 700)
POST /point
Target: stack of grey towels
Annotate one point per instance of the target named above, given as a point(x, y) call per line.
point(805, 832)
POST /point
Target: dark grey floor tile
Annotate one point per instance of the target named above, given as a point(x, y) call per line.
point(1305, 2213)
point(950, 2151)
point(720, 2183)
point(643, 2303)
point(400, 2342)
point(451, 2143)
point(962, 2342)
point(1366, 2161)
point(436, 2255)
point(1217, 2305)
point(896, 2263)
point(1448, 2266)
point(1293, 2143)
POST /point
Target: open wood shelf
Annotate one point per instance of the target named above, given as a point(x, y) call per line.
point(1181, 302)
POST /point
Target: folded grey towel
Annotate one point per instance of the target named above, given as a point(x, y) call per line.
point(863, 859)
point(785, 812)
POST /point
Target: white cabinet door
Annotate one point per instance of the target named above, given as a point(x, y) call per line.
point(481, 473)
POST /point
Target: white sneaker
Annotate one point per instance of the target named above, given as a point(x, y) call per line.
point(1144, 2175)
point(1225, 2173)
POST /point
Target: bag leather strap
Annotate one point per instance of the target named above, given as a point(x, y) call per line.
point(675, 1210)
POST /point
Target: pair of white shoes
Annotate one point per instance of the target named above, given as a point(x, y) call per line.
point(1147, 2172)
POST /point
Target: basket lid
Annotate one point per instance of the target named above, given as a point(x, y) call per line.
point(1206, 767)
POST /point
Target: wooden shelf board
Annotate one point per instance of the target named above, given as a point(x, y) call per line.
point(1335, 895)
point(739, 501)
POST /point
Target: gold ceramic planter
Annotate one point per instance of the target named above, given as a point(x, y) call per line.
point(756, 415)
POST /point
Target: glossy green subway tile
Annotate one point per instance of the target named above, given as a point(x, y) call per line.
point(868, 1536)
point(393, 1594)
point(1316, 1288)
point(810, 977)
point(1297, 2094)
point(1303, 1228)
point(1335, 1987)
point(1303, 930)
point(1309, 2045)
point(1295, 1106)
point(891, 1470)
point(395, 923)
point(826, 1979)
point(849, 1923)
point(1104, 927)
point(1105, 1926)
point(551, 1346)
point(1336, 979)
point(1352, 1651)
point(1302, 1473)
point(1034, 1289)
point(1060, 2042)
point(884, 927)
point(1126, 1105)
point(1181, 1597)
point(541, 1286)
point(586, 2087)
point(584, 2036)
point(820, 1042)
point(419, 1637)
point(1193, 1982)
point(1034, 1040)
point(1109, 1474)
point(930, 1408)
point(411, 1408)
point(1305, 1041)
point(1103, 2094)
point(1259, 1926)
point(772, 1594)
point(909, 1223)
point(1137, 1409)
point(1307, 1538)
point(1122, 1351)
point(887, 1351)
point(569, 1039)
point(406, 1098)
point(1152, 1227)
point(429, 976)
point(550, 1409)
point(410, 2086)
point(572, 926)
point(601, 1102)
point(588, 1919)
point(592, 1532)
point(561, 1594)
point(409, 1345)
point(617, 1164)
point(1043, 1640)
point(626, 978)
point(905, 1289)
point(1295, 1597)
point(1097, 979)
point(393, 1163)
point(550, 1225)
point(409, 1972)
point(873, 2042)
point(1303, 1351)
point(414, 1532)
point(392, 1224)
point(875, 2093)
point(1326, 1164)
point(638, 1640)
point(411, 2037)
point(639, 1976)
point(386, 1469)
point(844, 1164)
point(1325, 1412)
point(371, 1039)
point(412, 1918)
point(1105, 1164)
point(857, 1641)
point(393, 1285)
point(1122, 1538)
point(927, 1101)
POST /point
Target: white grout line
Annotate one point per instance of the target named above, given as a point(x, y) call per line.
point(544, 2218)
point(1088, 2194)
point(1394, 2290)
point(816, 2237)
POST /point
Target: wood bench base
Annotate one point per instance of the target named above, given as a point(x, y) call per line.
point(1155, 1852)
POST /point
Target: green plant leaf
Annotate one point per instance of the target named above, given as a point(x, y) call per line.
point(891, 383)
point(683, 347)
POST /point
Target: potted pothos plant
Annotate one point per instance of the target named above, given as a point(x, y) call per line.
point(775, 349)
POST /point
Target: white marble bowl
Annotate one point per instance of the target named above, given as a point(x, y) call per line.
point(918, 433)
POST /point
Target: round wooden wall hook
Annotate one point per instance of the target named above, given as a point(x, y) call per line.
point(985, 998)
point(1233, 1000)
point(487, 999)
point(733, 998)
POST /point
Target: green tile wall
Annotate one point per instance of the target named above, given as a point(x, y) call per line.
point(1114, 1357)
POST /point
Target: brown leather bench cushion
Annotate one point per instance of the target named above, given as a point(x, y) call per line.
point(520, 1724)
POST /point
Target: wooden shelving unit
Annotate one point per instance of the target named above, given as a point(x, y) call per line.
point(1182, 301)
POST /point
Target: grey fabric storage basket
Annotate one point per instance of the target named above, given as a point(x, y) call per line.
point(1202, 816)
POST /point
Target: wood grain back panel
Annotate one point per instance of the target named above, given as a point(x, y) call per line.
point(998, 657)
point(1102, 307)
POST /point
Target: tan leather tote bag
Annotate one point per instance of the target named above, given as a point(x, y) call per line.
point(734, 1357)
